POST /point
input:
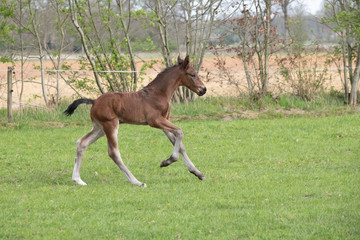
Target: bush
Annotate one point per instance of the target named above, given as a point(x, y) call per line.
point(302, 76)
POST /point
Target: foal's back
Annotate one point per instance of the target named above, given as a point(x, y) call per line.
point(132, 108)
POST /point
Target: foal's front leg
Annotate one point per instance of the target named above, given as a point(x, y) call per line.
point(191, 167)
point(177, 143)
point(175, 135)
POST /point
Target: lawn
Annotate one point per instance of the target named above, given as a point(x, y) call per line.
point(287, 178)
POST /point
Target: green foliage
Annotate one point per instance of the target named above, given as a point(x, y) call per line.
point(110, 40)
point(6, 28)
point(347, 17)
point(294, 178)
point(345, 21)
point(79, 81)
point(5, 59)
point(144, 46)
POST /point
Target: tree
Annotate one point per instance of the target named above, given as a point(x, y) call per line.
point(257, 40)
point(28, 20)
point(344, 19)
point(6, 28)
point(193, 23)
point(285, 4)
point(61, 22)
point(164, 16)
point(27, 25)
point(105, 31)
point(74, 9)
point(297, 32)
point(199, 21)
point(34, 27)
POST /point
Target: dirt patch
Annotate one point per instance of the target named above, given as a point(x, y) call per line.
point(248, 114)
point(214, 79)
point(54, 124)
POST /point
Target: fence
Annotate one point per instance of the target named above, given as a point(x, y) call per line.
point(9, 94)
point(26, 85)
point(15, 93)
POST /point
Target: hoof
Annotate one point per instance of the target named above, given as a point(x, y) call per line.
point(199, 175)
point(202, 177)
point(79, 182)
point(167, 162)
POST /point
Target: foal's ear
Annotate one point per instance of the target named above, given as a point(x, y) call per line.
point(180, 61)
point(185, 63)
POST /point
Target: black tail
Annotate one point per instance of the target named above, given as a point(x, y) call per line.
point(71, 108)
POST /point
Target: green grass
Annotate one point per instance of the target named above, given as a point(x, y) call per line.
point(282, 178)
point(208, 107)
point(218, 107)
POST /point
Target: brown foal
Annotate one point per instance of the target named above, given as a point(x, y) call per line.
point(149, 106)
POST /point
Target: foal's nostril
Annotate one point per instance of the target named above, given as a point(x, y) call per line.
point(202, 91)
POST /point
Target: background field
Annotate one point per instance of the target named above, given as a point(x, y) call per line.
point(282, 178)
point(214, 79)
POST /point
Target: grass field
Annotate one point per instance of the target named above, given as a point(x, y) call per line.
point(282, 178)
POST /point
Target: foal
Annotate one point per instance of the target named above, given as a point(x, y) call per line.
point(149, 106)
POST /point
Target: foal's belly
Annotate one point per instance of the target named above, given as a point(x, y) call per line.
point(129, 120)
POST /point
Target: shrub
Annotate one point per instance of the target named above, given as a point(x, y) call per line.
point(302, 75)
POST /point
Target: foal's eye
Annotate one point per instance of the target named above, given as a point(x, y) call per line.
point(191, 75)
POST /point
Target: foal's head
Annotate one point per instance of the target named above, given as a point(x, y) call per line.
point(190, 78)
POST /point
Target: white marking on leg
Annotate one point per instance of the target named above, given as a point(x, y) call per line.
point(81, 145)
point(114, 154)
point(178, 136)
point(191, 167)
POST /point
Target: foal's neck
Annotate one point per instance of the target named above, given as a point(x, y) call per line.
point(165, 83)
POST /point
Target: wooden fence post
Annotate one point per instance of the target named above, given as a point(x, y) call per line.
point(10, 91)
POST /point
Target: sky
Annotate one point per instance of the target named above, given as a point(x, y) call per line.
point(313, 6)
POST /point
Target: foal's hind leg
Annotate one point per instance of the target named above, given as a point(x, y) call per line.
point(111, 131)
point(191, 167)
point(82, 144)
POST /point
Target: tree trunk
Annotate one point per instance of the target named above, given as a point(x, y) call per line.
point(163, 31)
point(346, 87)
point(265, 80)
point(247, 73)
point(85, 46)
point(40, 49)
point(99, 55)
point(129, 47)
point(285, 5)
point(9, 94)
point(355, 83)
point(58, 67)
point(21, 56)
point(43, 86)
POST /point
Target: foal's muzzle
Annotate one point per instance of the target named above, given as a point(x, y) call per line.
point(202, 91)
